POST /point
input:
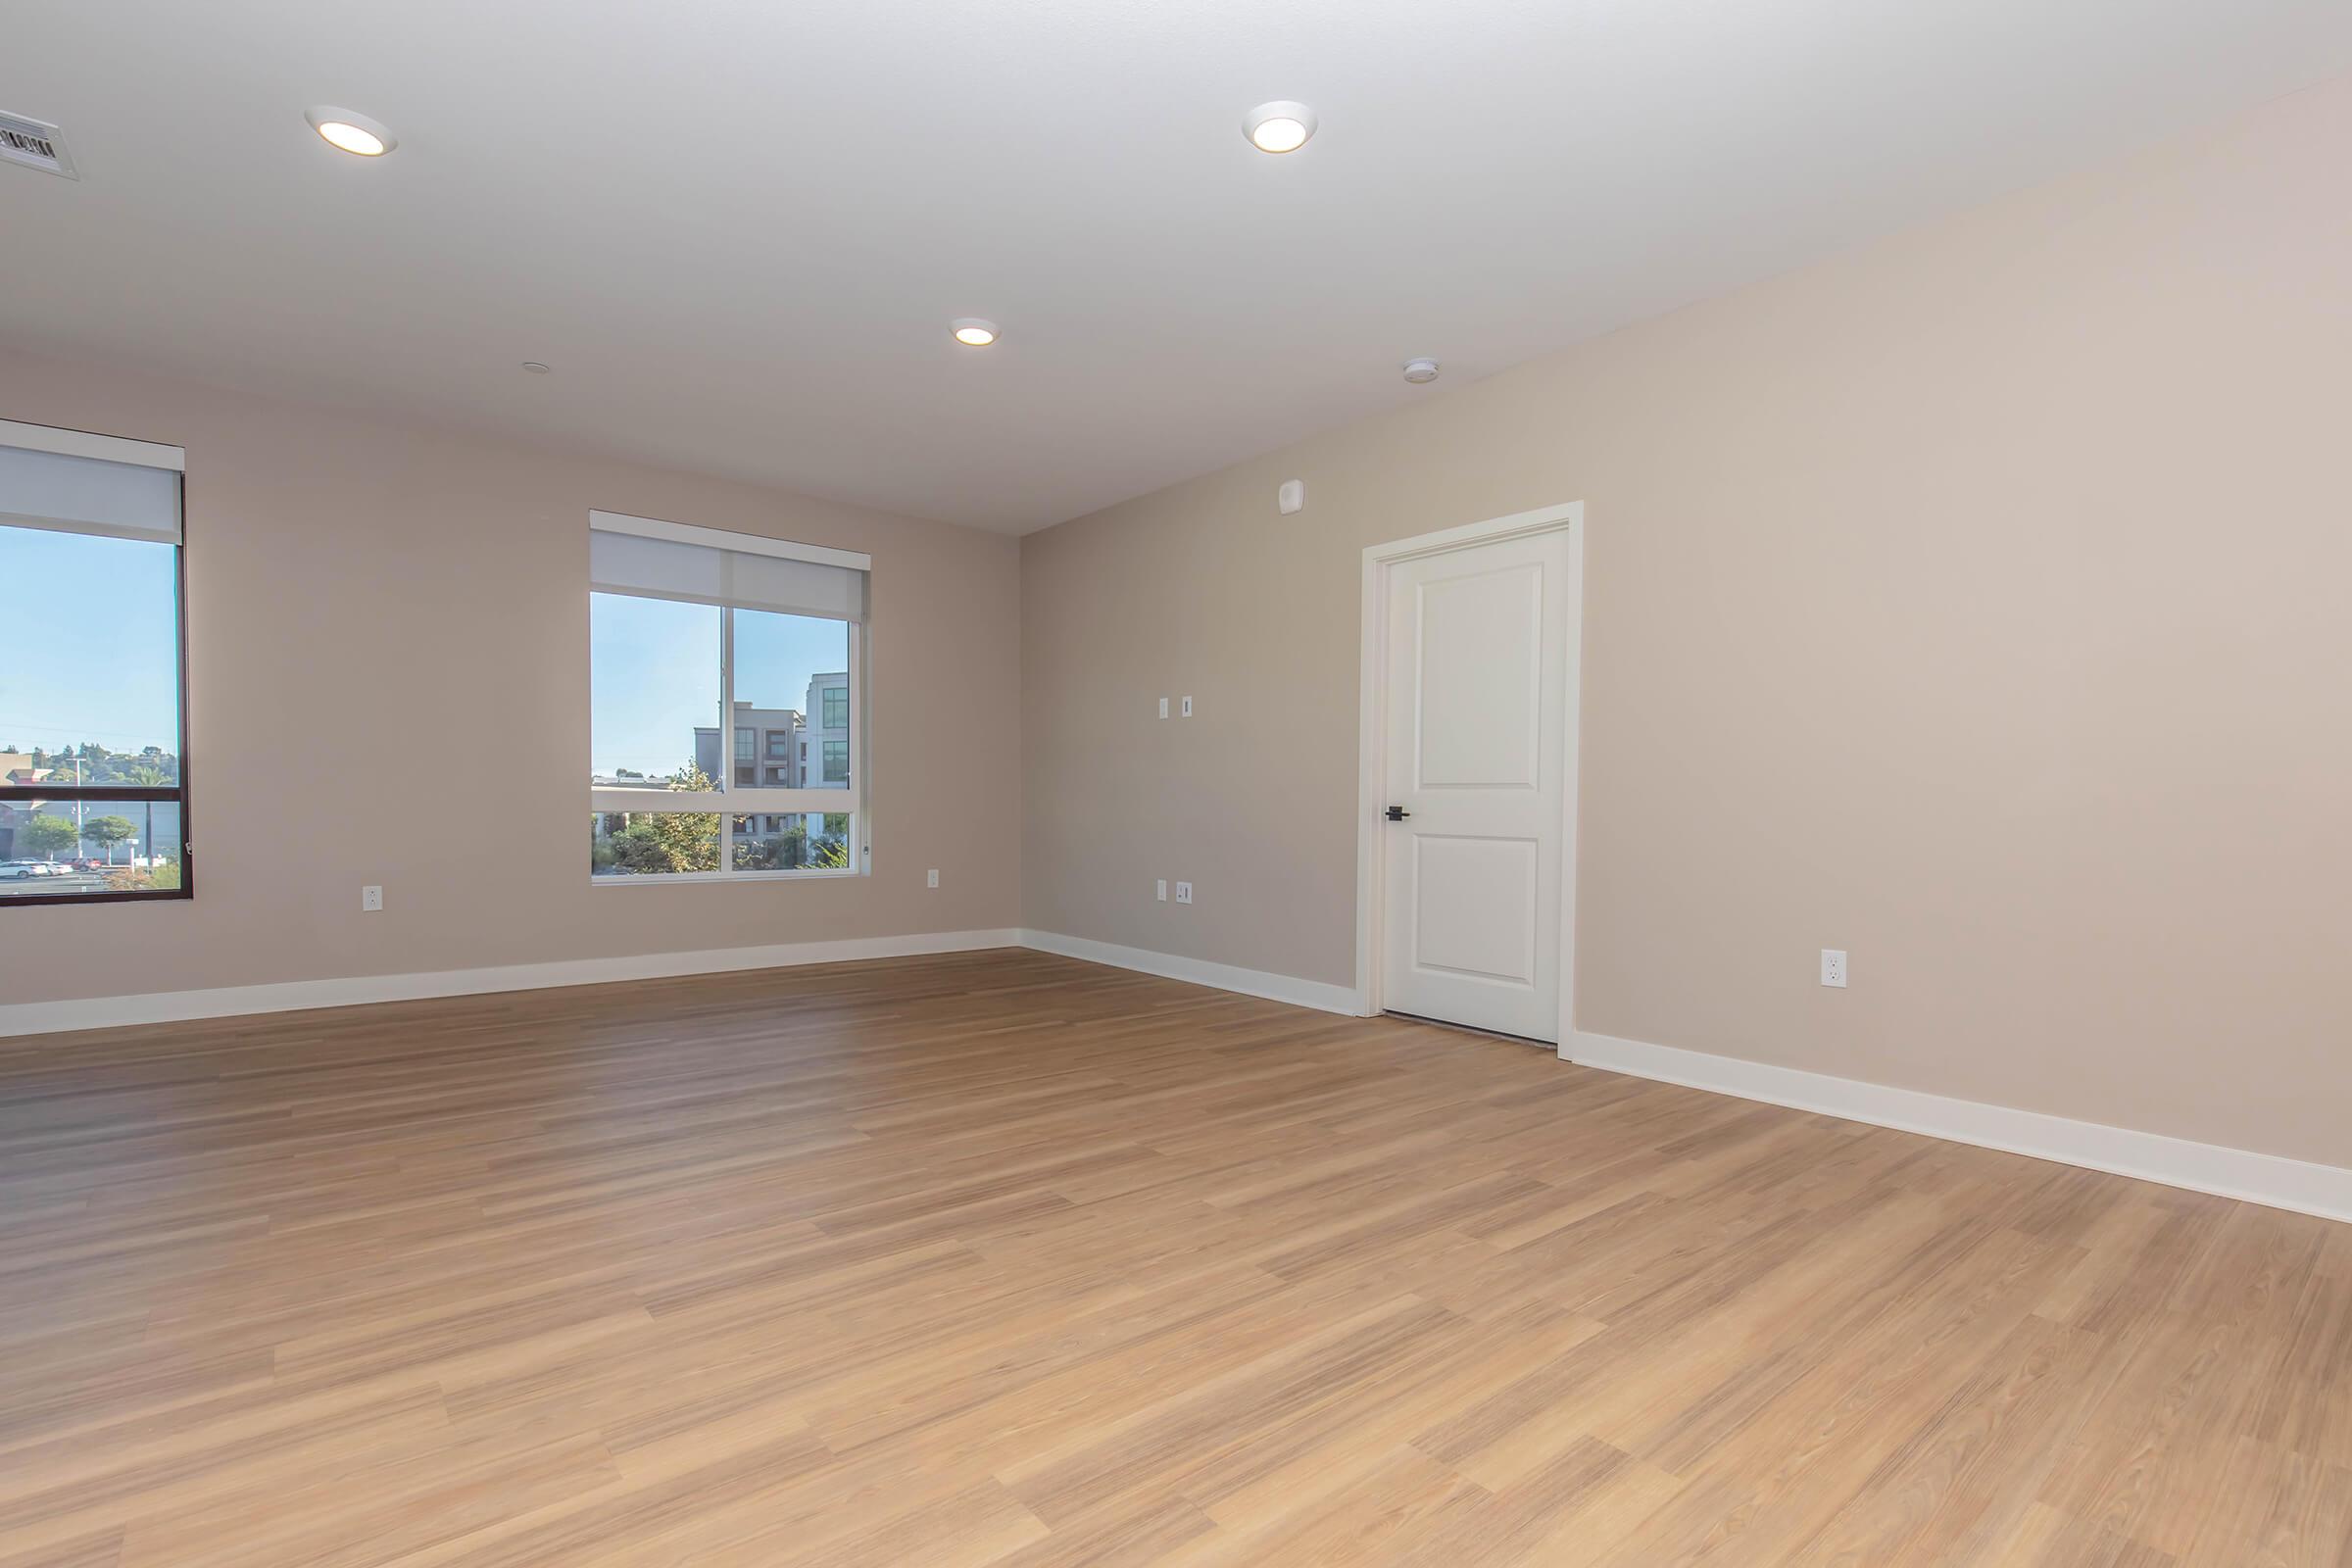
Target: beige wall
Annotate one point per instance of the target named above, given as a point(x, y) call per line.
point(1980, 603)
point(388, 663)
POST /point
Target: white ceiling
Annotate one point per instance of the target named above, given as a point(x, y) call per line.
point(738, 228)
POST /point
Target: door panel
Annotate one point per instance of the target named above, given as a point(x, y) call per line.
point(1480, 635)
point(1474, 905)
point(1475, 703)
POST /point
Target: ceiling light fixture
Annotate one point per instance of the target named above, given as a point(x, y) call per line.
point(974, 333)
point(1420, 372)
point(352, 132)
point(1282, 126)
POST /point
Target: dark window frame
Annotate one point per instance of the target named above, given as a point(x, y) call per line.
point(178, 794)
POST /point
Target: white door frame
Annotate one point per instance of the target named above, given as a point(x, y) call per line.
point(1372, 734)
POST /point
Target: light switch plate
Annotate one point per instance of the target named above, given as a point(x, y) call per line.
point(1163, 708)
point(1184, 893)
point(1188, 708)
point(1160, 890)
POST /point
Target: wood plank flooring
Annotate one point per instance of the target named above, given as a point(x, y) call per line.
point(1005, 1259)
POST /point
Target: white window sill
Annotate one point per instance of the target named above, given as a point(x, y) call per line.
point(673, 879)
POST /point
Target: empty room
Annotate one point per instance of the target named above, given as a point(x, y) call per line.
point(887, 784)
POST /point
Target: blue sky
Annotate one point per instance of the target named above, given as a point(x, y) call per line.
point(653, 672)
point(93, 642)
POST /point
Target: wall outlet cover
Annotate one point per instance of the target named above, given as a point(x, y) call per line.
point(1833, 966)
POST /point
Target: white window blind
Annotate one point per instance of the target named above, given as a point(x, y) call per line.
point(741, 571)
point(57, 479)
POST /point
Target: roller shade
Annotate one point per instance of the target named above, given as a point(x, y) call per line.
point(44, 488)
point(747, 573)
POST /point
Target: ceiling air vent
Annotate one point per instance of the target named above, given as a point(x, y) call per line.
point(34, 144)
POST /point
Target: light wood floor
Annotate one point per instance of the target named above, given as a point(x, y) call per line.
point(1005, 1259)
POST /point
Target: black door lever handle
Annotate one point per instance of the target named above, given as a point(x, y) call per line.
point(1397, 814)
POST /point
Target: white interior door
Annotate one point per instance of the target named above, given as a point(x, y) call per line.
point(1475, 707)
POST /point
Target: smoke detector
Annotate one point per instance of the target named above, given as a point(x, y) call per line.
point(1419, 372)
point(35, 144)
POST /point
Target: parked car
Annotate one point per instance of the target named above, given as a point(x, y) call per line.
point(19, 870)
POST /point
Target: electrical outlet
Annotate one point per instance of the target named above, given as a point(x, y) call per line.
point(1833, 966)
point(371, 897)
point(1184, 893)
point(935, 879)
point(1160, 890)
point(1188, 708)
point(1163, 708)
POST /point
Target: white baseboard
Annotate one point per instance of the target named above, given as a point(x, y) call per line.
point(1200, 972)
point(2272, 1180)
point(224, 1001)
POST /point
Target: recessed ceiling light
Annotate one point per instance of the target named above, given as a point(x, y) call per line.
point(974, 333)
point(1279, 127)
point(1418, 372)
point(535, 367)
point(352, 132)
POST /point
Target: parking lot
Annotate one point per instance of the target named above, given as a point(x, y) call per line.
point(70, 881)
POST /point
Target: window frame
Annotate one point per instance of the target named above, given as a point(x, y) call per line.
point(729, 800)
point(145, 454)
